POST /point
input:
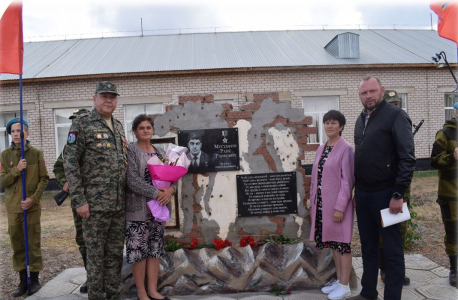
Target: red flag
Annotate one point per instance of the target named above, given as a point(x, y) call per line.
point(447, 13)
point(11, 42)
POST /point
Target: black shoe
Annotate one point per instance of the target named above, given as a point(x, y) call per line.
point(83, 288)
point(165, 298)
point(22, 287)
point(34, 283)
point(405, 282)
point(452, 278)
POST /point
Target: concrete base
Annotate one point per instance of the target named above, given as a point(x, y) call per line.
point(207, 271)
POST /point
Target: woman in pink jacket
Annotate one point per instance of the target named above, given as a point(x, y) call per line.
point(331, 201)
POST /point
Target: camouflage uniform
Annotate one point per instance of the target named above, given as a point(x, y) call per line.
point(95, 160)
point(61, 181)
point(442, 159)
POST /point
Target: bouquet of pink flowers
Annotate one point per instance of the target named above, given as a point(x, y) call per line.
point(165, 171)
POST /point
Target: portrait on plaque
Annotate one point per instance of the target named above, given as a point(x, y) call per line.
point(211, 150)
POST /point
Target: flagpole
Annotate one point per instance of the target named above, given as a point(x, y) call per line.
point(24, 196)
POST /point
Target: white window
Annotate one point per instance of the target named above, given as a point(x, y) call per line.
point(403, 98)
point(5, 138)
point(132, 111)
point(317, 107)
point(62, 126)
point(450, 99)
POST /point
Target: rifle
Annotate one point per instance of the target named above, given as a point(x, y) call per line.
point(417, 127)
point(61, 197)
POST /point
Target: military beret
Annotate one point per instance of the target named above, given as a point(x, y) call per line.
point(14, 121)
point(455, 106)
point(106, 87)
point(391, 96)
point(78, 112)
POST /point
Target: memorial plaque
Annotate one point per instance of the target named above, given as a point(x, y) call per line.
point(211, 150)
point(266, 194)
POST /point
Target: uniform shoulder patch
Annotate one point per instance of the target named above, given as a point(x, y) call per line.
point(72, 136)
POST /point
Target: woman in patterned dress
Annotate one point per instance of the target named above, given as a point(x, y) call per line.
point(144, 235)
point(331, 201)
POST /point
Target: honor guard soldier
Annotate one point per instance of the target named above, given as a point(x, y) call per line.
point(444, 157)
point(62, 183)
point(95, 161)
point(36, 180)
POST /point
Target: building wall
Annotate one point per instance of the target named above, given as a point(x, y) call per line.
point(425, 88)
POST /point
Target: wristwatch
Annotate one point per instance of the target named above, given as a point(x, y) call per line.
point(397, 196)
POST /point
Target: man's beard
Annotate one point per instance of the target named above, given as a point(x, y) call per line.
point(373, 107)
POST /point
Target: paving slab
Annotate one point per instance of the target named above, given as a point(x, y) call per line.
point(428, 281)
point(441, 272)
point(439, 292)
point(419, 262)
point(61, 286)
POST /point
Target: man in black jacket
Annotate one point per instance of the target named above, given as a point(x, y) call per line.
point(384, 164)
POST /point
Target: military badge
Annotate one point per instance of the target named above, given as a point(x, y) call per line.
point(72, 137)
point(391, 94)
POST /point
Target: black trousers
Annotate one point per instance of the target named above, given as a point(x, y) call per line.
point(368, 206)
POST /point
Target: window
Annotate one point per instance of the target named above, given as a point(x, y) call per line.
point(317, 107)
point(132, 111)
point(5, 138)
point(403, 98)
point(62, 126)
point(450, 99)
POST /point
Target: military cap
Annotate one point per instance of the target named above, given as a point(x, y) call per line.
point(78, 112)
point(391, 96)
point(455, 106)
point(106, 87)
point(14, 121)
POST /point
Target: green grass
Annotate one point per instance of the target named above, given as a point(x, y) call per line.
point(423, 174)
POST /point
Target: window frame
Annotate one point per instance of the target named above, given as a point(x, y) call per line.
point(404, 100)
point(62, 125)
point(127, 122)
point(320, 135)
point(449, 108)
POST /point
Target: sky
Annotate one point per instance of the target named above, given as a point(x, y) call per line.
point(73, 19)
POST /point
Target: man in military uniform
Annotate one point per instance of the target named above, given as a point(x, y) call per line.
point(444, 157)
point(11, 166)
point(95, 161)
point(391, 96)
point(62, 183)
